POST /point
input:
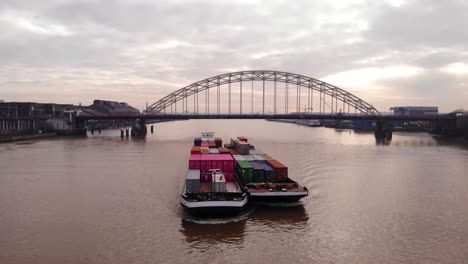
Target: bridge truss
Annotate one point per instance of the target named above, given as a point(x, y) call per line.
point(332, 100)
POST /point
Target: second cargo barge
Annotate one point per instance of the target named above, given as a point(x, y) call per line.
point(265, 178)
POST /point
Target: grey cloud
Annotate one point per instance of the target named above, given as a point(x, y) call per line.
point(117, 42)
point(430, 88)
point(421, 24)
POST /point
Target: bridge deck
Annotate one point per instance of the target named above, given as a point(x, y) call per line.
point(268, 116)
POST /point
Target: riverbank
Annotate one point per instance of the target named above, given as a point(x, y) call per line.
point(12, 138)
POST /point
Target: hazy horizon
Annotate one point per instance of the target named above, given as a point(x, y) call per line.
point(390, 53)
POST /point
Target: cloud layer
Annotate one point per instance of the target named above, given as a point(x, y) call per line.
point(389, 53)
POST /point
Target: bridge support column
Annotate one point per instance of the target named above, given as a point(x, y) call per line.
point(78, 126)
point(139, 129)
point(450, 127)
point(152, 129)
point(383, 132)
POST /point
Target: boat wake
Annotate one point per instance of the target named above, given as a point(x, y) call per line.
point(217, 221)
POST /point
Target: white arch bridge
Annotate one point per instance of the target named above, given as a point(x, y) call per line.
point(269, 95)
point(261, 92)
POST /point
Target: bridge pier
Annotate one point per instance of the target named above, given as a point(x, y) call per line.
point(383, 131)
point(78, 125)
point(139, 129)
point(447, 127)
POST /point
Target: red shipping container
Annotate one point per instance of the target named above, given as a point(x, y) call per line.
point(225, 157)
point(228, 162)
point(205, 162)
point(195, 150)
point(194, 162)
point(223, 150)
point(234, 143)
point(280, 169)
point(205, 165)
point(206, 177)
point(242, 139)
point(219, 142)
point(195, 156)
point(233, 152)
point(204, 144)
point(228, 165)
point(229, 176)
point(217, 164)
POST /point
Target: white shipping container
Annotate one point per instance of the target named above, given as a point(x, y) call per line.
point(258, 157)
point(193, 175)
point(256, 152)
point(238, 157)
point(248, 158)
point(192, 182)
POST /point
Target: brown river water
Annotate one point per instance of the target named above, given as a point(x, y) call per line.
point(103, 199)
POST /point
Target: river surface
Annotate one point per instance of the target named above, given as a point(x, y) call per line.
point(103, 199)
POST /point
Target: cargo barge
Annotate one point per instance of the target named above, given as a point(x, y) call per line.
point(265, 178)
point(211, 188)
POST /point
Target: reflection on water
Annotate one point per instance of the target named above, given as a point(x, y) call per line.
point(205, 233)
point(103, 199)
point(292, 216)
point(452, 141)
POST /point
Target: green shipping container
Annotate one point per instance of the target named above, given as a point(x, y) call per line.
point(244, 170)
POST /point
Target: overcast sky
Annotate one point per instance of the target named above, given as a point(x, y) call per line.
point(393, 52)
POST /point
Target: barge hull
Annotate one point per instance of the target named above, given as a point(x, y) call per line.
point(275, 197)
point(214, 208)
point(213, 211)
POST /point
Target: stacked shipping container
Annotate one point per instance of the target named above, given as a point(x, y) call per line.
point(243, 148)
point(280, 170)
point(250, 164)
point(255, 166)
point(192, 182)
point(207, 162)
point(244, 170)
point(218, 142)
point(244, 139)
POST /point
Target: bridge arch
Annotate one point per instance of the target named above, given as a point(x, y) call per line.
point(326, 91)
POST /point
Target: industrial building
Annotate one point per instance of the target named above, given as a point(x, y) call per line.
point(113, 108)
point(415, 110)
point(31, 109)
point(25, 118)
